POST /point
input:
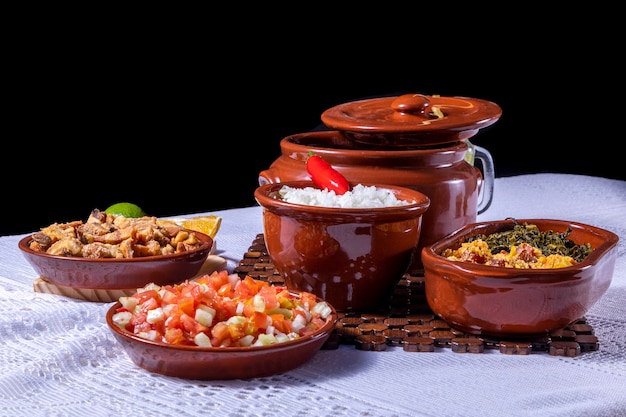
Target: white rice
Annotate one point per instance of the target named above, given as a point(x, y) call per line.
point(360, 196)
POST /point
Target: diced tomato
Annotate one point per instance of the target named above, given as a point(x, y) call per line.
point(204, 279)
point(317, 322)
point(308, 299)
point(248, 287)
point(191, 326)
point(225, 308)
point(150, 304)
point(280, 323)
point(139, 318)
point(169, 297)
point(218, 279)
point(142, 327)
point(143, 296)
point(248, 309)
point(269, 297)
point(257, 321)
point(236, 331)
point(225, 290)
point(173, 320)
point(174, 336)
point(187, 304)
point(208, 295)
point(242, 307)
point(219, 333)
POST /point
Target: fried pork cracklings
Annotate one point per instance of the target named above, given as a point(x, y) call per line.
point(114, 236)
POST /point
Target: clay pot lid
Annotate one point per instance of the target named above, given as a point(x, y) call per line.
point(411, 119)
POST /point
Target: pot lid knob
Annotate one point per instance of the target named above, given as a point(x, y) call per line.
point(412, 104)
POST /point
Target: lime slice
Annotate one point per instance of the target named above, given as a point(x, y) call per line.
point(125, 209)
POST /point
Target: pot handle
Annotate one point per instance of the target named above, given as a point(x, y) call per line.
point(486, 191)
point(265, 177)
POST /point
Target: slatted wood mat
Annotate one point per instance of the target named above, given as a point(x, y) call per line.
point(406, 321)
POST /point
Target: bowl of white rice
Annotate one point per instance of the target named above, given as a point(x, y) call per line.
point(348, 249)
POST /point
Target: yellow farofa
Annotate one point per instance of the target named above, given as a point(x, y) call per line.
point(479, 249)
point(555, 261)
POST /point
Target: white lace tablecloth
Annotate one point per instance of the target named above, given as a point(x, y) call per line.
point(58, 358)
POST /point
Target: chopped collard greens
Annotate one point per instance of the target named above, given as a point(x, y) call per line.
point(549, 242)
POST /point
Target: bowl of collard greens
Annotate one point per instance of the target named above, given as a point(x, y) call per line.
point(518, 277)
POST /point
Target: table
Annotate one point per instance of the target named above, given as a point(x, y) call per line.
point(59, 357)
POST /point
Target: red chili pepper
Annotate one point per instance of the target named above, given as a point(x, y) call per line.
point(325, 176)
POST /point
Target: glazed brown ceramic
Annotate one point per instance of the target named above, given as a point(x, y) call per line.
point(499, 301)
point(114, 273)
point(397, 141)
point(220, 363)
point(440, 172)
point(350, 257)
point(412, 119)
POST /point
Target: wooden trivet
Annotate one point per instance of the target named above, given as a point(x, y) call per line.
point(409, 322)
point(42, 285)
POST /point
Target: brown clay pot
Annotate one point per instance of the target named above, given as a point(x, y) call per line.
point(415, 141)
point(351, 257)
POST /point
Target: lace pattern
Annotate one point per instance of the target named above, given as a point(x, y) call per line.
point(60, 359)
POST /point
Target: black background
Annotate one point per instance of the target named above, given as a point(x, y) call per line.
point(179, 126)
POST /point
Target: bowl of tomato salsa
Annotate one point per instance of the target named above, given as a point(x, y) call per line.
point(220, 326)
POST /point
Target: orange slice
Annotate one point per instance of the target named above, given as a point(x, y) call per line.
point(209, 225)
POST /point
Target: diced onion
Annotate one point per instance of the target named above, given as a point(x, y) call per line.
point(202, 339)
point(156, 315)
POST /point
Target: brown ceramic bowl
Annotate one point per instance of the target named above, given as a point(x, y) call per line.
point(213, 363)
point(351, 257)
point(499, 301)
point(114, 273)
